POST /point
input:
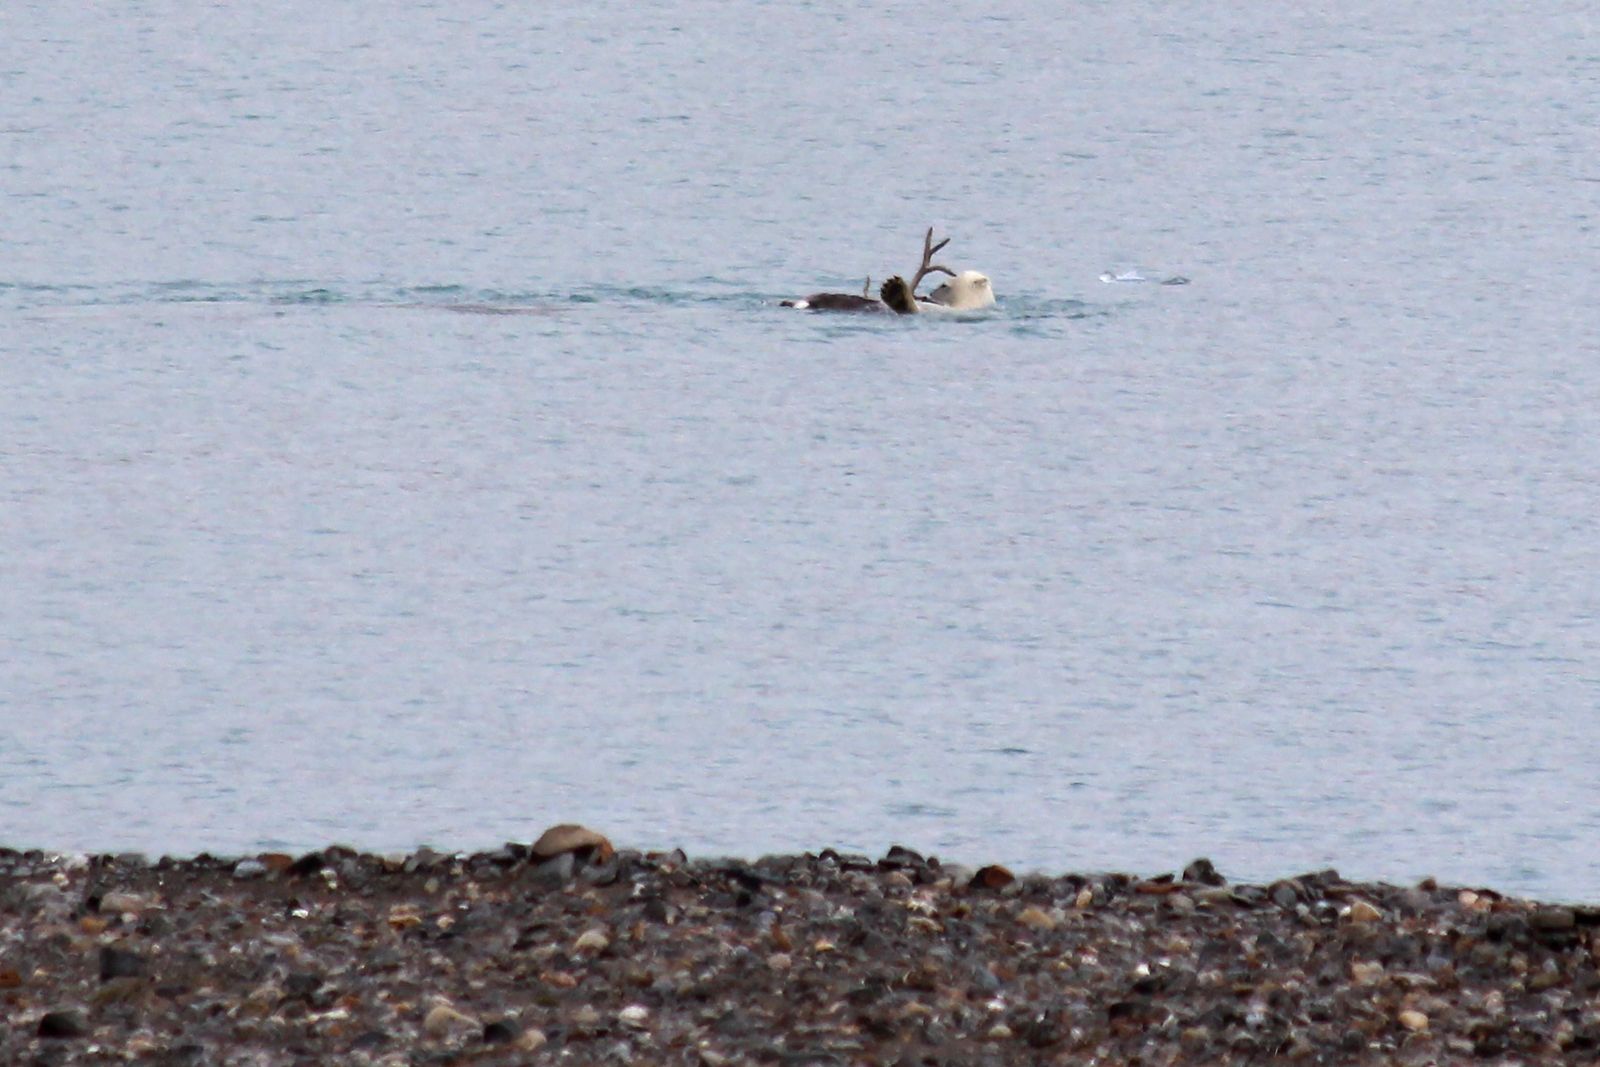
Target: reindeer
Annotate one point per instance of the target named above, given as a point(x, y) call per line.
point(966, 291)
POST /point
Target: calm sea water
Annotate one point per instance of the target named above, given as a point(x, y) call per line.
point(400, 443)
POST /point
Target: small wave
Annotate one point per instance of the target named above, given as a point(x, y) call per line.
point(1136, 275)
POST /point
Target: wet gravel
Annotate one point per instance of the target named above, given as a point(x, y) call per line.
point(571, 952)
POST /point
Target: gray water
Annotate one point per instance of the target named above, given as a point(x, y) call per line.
point(400, 441)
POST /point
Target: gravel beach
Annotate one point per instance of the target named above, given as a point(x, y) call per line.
point(570, 951)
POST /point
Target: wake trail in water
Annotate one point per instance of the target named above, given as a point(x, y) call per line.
point(1022, 309)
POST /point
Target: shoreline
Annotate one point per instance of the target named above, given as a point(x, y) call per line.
point(569, 950)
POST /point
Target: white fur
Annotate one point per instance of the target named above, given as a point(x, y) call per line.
point(967, 291)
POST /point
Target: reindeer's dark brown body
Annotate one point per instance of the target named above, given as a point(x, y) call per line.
point(837, 302)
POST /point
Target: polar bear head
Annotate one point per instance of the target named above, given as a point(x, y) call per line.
point(967, 291)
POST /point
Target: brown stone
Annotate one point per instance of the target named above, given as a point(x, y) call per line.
point(993, 876)
point(570, 837)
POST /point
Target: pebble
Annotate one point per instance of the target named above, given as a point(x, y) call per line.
point(993, 876)
point(249, 868)
point(1360, 911)
point(442, 1019)
point(1413, 1020)
point(120, 963)
point(62, 1024)
point(118, 903)
point(1037, 918)
point(592, 940)
point(1283, 894)
point(1367, 973)
point(634, 1016)
point(501, 1032)
point(556, 870)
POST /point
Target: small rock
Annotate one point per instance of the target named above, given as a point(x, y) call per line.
point(120, 963)
point(1360, 911)
point(555, 871)
point(310, 863)
point(424, 859)
point(993, 876)
point(559, 979)
point(1366, 973)
point(265, 997)
point(501, 1032)
point(117, 902)
point(1203, 871)
point(1084, 899)
point(600, 872)
point(1413, 1020)
point(1037, 918)
point(634, 1016)
point(301, 983)
point(63, 1024)
point(442, 1019)
point(899, 856)
point(140, 1046)
point(999, 1032)
point(532, 1040)
point(593, 940)
point(250, 868)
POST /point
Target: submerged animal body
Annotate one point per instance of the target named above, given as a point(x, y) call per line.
point(967, 291)
point(837, 302)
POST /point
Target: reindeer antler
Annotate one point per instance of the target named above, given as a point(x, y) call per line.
point(929, 249)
